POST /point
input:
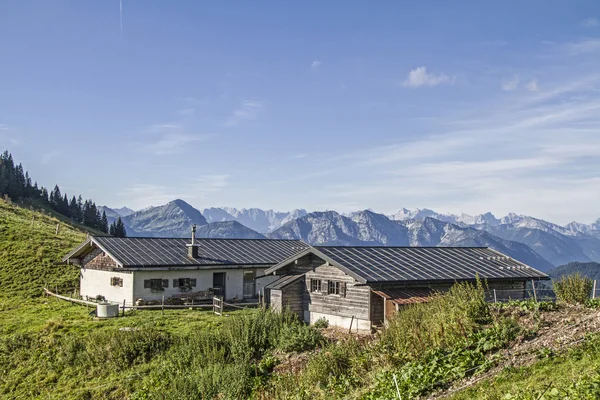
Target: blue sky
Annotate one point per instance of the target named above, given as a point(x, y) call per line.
point(463, 106)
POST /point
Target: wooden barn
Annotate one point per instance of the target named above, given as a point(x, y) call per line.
point(361, 287)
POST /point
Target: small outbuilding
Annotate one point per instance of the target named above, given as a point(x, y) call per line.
point(361, 287)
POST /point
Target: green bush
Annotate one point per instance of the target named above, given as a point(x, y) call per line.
point(122, 349)
point(573, 289)
point(321, 323)
point(446, 320)
point(298, 337)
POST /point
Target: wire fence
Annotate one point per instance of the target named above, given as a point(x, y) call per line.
point(530, 292)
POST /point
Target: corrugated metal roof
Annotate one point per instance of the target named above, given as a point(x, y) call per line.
point(415, 264)
point(404, 296)
point(158, 252)
point(283, 282)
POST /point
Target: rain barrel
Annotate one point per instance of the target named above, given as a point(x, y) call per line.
point(107, 310)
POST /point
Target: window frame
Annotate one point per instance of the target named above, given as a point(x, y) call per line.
point(116, 281)
point(316, 282)
point(153, 286)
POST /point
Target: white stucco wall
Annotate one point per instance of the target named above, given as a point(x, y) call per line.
point(357, 324)
point(234, 282)
point(94, 282)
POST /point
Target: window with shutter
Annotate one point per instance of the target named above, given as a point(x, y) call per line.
point(176, 282)
point(146, 283)
point(343, 289)
point(165, 283)
point(193, 282)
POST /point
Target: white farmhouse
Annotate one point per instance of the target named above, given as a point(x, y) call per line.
point(133, 268)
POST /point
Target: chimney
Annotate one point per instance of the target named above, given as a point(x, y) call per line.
point(193, 247)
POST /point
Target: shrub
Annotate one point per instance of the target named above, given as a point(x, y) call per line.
point(321, 323)
point(250, 335)
point(299, 337)
point(122, 349)
point(573, 289)
point(444, 321)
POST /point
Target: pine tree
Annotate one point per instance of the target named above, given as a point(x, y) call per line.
point(112, 229)
point(80, 207)
point(120, 229)
point(104, 224)
point(64, 206)
point(55, 198)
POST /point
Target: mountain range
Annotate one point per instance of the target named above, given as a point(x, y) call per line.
point(539, 243)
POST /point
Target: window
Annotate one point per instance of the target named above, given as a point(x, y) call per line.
point(338, 288)
point(116, 281)
point(315, 285)
point(156, 284)
point(184, 283)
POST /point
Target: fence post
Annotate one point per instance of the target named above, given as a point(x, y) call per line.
point(594, 290)
point(534, 293)
point(495, 299)
point(123, 307)
point(163, 304)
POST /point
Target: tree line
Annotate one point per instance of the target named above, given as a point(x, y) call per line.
point(16, 184)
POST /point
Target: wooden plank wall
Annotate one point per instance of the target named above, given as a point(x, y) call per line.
point(376, 309)
point(292, 298)
point(355, 303)
point(275, 300)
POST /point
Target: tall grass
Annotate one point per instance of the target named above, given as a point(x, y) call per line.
point(444, 321)
point(573, 289)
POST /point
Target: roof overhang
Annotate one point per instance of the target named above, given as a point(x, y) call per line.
point(315, 252)
point(85, 247)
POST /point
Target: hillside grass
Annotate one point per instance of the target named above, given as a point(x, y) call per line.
point(52, 349)
point(573, 375)
point(30, 251)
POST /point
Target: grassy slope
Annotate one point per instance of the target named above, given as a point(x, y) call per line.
point(556, 377)
point(28, 261)
point(29, 252)
point(33, 328)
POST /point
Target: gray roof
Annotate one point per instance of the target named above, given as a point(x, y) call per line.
point(134, 252)
point(284, 281)
point(421, 264)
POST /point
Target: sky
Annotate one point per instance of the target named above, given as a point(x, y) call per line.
point(463, 106)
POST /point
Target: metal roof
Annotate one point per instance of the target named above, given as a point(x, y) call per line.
point(405, 296)
point(421, 264)
point(401, 264)
point(165, 252)
point(284, 281)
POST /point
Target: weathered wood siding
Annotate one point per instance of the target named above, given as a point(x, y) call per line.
point(305, 264)
point(275, 300)
point(376, 309)
point(292, 298)
point(97, 260)
point(354, 303)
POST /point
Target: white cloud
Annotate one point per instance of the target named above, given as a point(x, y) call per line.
point(518, 156)
point(583, 46)
point(589, 22)
point(187, 111)
point(49, 157)
point(532, 86)
point(315, 65)
point(194, 189)
point(174, 142)
point(249, 110)
point(510, 84)
point(420, 77)
point(3, 127)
